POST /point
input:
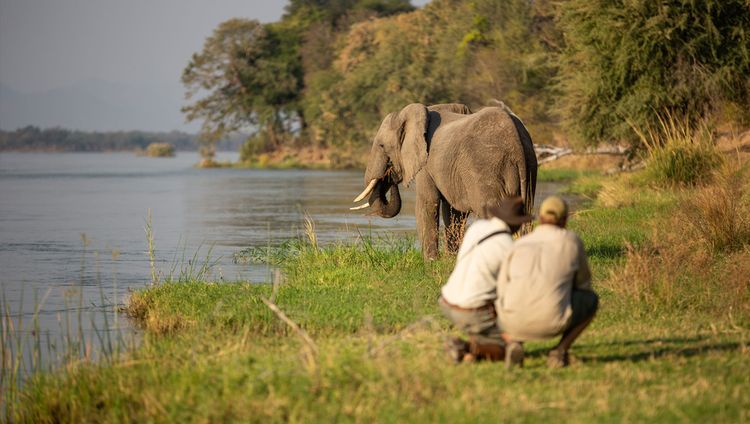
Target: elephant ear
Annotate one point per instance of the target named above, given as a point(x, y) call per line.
point(413, 122)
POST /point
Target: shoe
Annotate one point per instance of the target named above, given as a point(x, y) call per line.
point(514, 355)
point(457, 349)
point(557, 358)
point(469, 358)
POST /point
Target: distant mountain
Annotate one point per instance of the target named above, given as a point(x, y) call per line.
point(96, 105)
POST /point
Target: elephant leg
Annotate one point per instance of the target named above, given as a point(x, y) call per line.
point(426, 211)
point(455, 224)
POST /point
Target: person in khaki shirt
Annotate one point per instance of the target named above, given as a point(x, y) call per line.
point(544, 287)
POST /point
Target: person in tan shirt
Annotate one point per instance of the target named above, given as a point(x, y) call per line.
point(544, 287)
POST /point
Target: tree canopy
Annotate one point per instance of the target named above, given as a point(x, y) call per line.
point(625, 62)
point(589, 71)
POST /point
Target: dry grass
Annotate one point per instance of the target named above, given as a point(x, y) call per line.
point(699, 252)
point(454, 233)
point(719, 213)
point(140, 307)
point(618, 192)
point(600, 163)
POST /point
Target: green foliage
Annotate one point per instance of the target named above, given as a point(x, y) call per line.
point(159, 150)
point(447, 52)
point(248, 74)
point(334, 11)
point(382, 66)
point(320, 290)
point(678, 154)
point(687, 163)
point(330, 70)
point(561, 174)
point(624, 61)
point(513, 61)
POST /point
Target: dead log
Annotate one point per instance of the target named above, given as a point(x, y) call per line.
point(546, 153)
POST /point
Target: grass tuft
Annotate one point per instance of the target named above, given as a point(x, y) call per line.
point(678, 153)
point(719, 213)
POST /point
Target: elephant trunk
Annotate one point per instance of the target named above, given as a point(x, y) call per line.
point(386, 207)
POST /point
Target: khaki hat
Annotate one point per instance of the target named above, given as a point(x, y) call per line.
point(554, 207)
point(510, 210)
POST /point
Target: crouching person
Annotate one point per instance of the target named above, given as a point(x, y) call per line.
point(467, 299)
point(544, 287)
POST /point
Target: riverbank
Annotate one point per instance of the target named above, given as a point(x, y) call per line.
point(670, 341)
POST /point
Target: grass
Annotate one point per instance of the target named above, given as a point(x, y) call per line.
point(679, 153)
point(670, 342)
point(560, 174)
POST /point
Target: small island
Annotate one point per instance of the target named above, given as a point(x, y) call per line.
point(160, 150)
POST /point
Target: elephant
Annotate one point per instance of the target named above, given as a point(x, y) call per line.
point(462, 163)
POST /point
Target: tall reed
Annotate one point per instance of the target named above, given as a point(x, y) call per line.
point(28, 352)
point(150, 240)
point(678, 153)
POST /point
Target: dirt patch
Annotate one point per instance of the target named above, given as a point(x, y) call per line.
point(735, 143)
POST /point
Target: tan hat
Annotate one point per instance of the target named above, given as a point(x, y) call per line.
point(510, 210)
point(554, 207)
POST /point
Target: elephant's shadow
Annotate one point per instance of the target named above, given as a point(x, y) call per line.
point(647, 349)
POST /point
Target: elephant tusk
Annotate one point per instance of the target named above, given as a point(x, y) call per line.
point(356, 208)
point(367, 190)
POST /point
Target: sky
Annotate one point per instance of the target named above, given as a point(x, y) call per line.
point(108, 48)
point(46, 44)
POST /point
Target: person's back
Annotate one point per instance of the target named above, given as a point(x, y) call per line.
point(472, 282)
point(540, 273)
point(544, 287)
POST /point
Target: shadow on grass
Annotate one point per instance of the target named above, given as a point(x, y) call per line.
point(684, 347)
point(605, 251)
point(649, 349)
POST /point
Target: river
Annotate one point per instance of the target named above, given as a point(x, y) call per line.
point(72, 227)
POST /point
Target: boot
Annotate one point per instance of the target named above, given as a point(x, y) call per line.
point(486, 351)
point(457, 349)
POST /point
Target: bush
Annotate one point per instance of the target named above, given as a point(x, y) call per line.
point(624, 59)
point(678, 153)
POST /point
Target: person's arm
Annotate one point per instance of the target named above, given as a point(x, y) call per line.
point(582, 279)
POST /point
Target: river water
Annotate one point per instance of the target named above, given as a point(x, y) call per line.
point(72, 227)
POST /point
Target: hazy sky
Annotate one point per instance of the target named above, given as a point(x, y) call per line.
point(48, 43)
point(52, 44)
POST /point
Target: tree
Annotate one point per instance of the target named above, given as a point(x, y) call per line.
point(626, 62)
point(247, 75)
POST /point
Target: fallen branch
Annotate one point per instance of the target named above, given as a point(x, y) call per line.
point(546, 153)
point(310, 348)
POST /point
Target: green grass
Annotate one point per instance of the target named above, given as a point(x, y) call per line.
point(217, 353)
point(561, 174)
